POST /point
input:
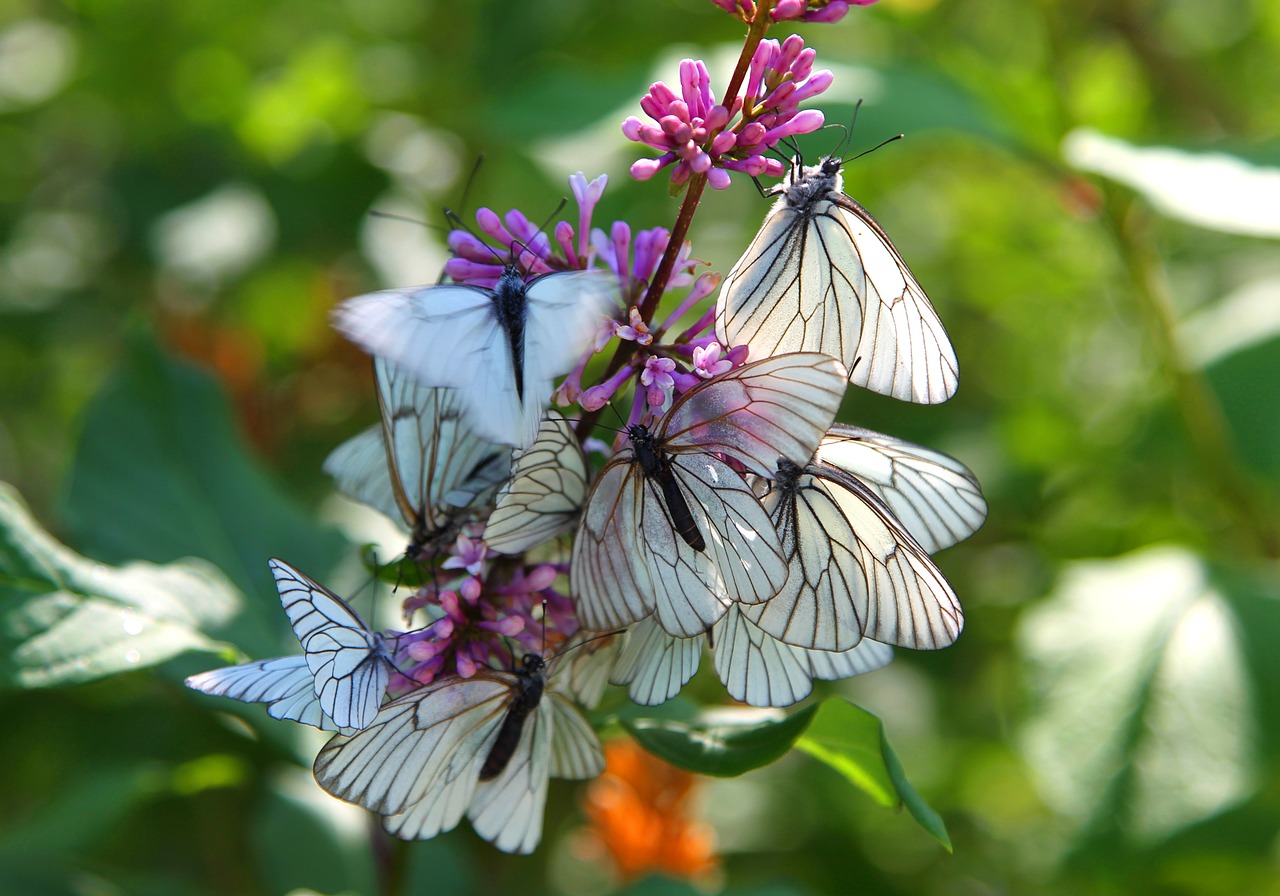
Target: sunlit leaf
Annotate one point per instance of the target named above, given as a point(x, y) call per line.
point(721, 750)
point(65, 618)
point(852, 741)
point(161, 473)
point(1142, 702)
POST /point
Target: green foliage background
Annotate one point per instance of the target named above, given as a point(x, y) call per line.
point(1109, 721)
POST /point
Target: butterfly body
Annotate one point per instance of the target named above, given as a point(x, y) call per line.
point(656, 467)
point(510, 309)
point(532, 680)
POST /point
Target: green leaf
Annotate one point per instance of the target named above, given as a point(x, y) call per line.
point(852, 741)
point(65, 618)
point(161, 473)
point(1137, 676)
point(720, 750)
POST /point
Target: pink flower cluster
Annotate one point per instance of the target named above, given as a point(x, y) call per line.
point(805, 10)
point(701, 136)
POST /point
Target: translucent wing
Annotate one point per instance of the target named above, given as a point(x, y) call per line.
point(589, 669)
point(933, 495)
point(419, 762)
point(546, 490)
point(629, 559)
point(760, 670)
point(771, 408)
point(347, 660)
point(285, 684)
point(821, 275)
point(420, 757)
point(672, 529)
point(424, 464)
point(500, 348)
point(855, 570)
point(655, 665)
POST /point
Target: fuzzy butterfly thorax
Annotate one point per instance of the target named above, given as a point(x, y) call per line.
point(808, 185)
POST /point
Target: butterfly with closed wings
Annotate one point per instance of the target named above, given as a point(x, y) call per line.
point(422, 464)
point(821, 275)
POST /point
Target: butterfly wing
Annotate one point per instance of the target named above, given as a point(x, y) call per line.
point(507, 811)
point(546, 490)
point(565, 311)
point(855, 571)
point(775, 407)
point(346, 658)
point(285, 684)
point(575, 750)
point(760, 670)
point(610, 584)
point(655, 665)
point(821, 275)
point(933, 495)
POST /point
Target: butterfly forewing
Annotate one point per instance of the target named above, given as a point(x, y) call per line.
point(285, 684)
point(821, 275)
point(544, 494)
point(653, 664)
point(934, 496)
point(347, 659)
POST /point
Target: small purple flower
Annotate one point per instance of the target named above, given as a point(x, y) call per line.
point(636, 330)
point(657, 380)
point(707, 361)
point(693, 131)
point(469, 554)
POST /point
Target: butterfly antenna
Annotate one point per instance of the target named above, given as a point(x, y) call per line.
point(395, 216)
point(586, 641)
point(471, 179)
point(882, 143)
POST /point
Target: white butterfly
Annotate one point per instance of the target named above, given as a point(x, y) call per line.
point(501, 348)
point(855, 569)
point(545, 492)
point(285, 684)
point(483, 747)
point(349, 664)
point(422, 463)
point(338, 682)
point(822, 276)
point(673, 530)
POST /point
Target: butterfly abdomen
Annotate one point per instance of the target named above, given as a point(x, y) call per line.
point(657, 467)
point(522, 705)
point(510, 307)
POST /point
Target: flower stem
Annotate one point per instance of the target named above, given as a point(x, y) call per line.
point(1203, 417)
point(648, 305)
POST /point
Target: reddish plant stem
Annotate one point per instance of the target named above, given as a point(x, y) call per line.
point(648, 305)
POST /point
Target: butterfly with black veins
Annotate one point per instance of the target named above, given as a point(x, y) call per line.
point(422, 463)
point(545, 492)
point(337, 683)
point(483, 747)
point(501, 348)
point(671, 528)
point(821, 275)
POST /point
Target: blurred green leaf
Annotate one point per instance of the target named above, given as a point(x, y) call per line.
point(68, 619)
point(723, 751)
point(1138, 678)
point(161, 473)
point(852, 741)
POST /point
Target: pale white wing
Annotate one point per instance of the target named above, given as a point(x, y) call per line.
point(565, 310)
point(507, 811)
point(575, 750)
point(444, 336)
point(823, 604)
point(347, 659)
point(285, 684)
point(932, 494)
point(760, 670)
point(855, 571)
point(653, 664)
point(359, 470)
point(545, 493)
point(589, 669)
point(833, 665)
point(742, 560)
point(419, 760)
point(767, 409)
point(903, 349)
point(821, 275)
point(607, 577)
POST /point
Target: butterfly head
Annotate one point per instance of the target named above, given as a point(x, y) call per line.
point(787, 476)
point(809, 184)
point(532, 664)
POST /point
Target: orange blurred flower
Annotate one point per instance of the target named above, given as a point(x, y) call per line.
point(640, 813)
